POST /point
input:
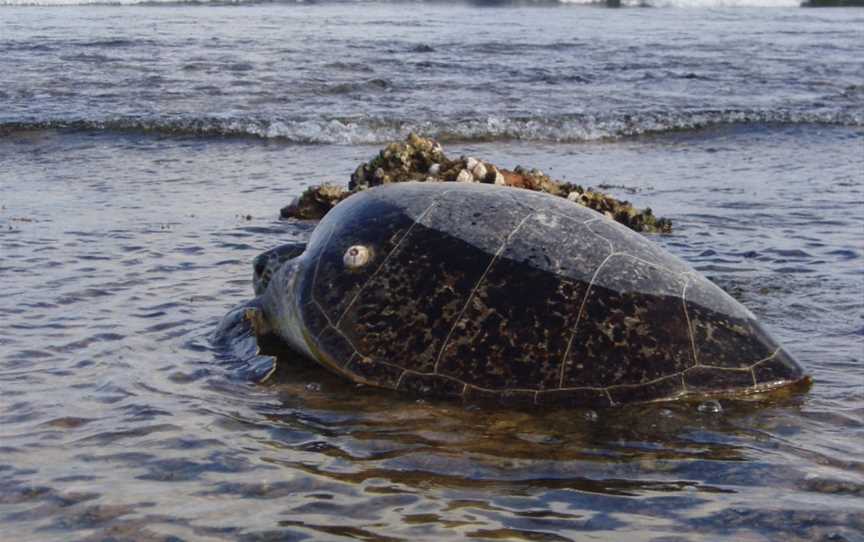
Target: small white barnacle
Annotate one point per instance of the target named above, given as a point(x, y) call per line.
point(499, 179)
point(465, 177)
point(470, 163)
point(479, 171)
point(356, 256)
point(434, 169)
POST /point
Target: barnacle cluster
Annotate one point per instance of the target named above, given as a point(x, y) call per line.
point(315, 201)
point(423, 159)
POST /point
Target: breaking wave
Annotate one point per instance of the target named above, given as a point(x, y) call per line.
point(55, 3)
point(623, 3)
point(570, 128)
point(692, 3)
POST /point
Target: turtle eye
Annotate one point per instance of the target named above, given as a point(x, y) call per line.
point(356, 256)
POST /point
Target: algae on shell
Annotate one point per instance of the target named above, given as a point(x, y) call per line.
point(423, 159)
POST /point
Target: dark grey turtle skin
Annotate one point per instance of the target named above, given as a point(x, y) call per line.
point(484, 292)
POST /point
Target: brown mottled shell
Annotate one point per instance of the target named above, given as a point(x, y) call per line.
point(487, 292)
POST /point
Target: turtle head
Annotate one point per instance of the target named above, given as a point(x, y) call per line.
point(278, 277)
point(265, 265)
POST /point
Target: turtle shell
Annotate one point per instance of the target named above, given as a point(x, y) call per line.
point(488, 292)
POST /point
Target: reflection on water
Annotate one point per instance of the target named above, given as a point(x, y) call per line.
point(122, 418)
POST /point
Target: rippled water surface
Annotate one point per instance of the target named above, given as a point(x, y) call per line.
point(128, 223)
point(122, 417)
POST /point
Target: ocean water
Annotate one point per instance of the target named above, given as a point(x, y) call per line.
point(145, 152)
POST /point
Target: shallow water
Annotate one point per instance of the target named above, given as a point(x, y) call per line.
point(121, 416)
point(128, 221)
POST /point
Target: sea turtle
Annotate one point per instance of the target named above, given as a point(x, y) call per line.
point(494, 293)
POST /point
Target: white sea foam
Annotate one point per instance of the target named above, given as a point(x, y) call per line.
point(625, 3)
point(127, 2)
point(711, 3)
point(373, 132)
point(695, 3)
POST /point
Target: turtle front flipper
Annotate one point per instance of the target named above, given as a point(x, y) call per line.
point(241, 332)
point(257, 321)
point(267, 263)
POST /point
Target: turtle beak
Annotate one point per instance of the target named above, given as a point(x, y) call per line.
point(259, 264)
